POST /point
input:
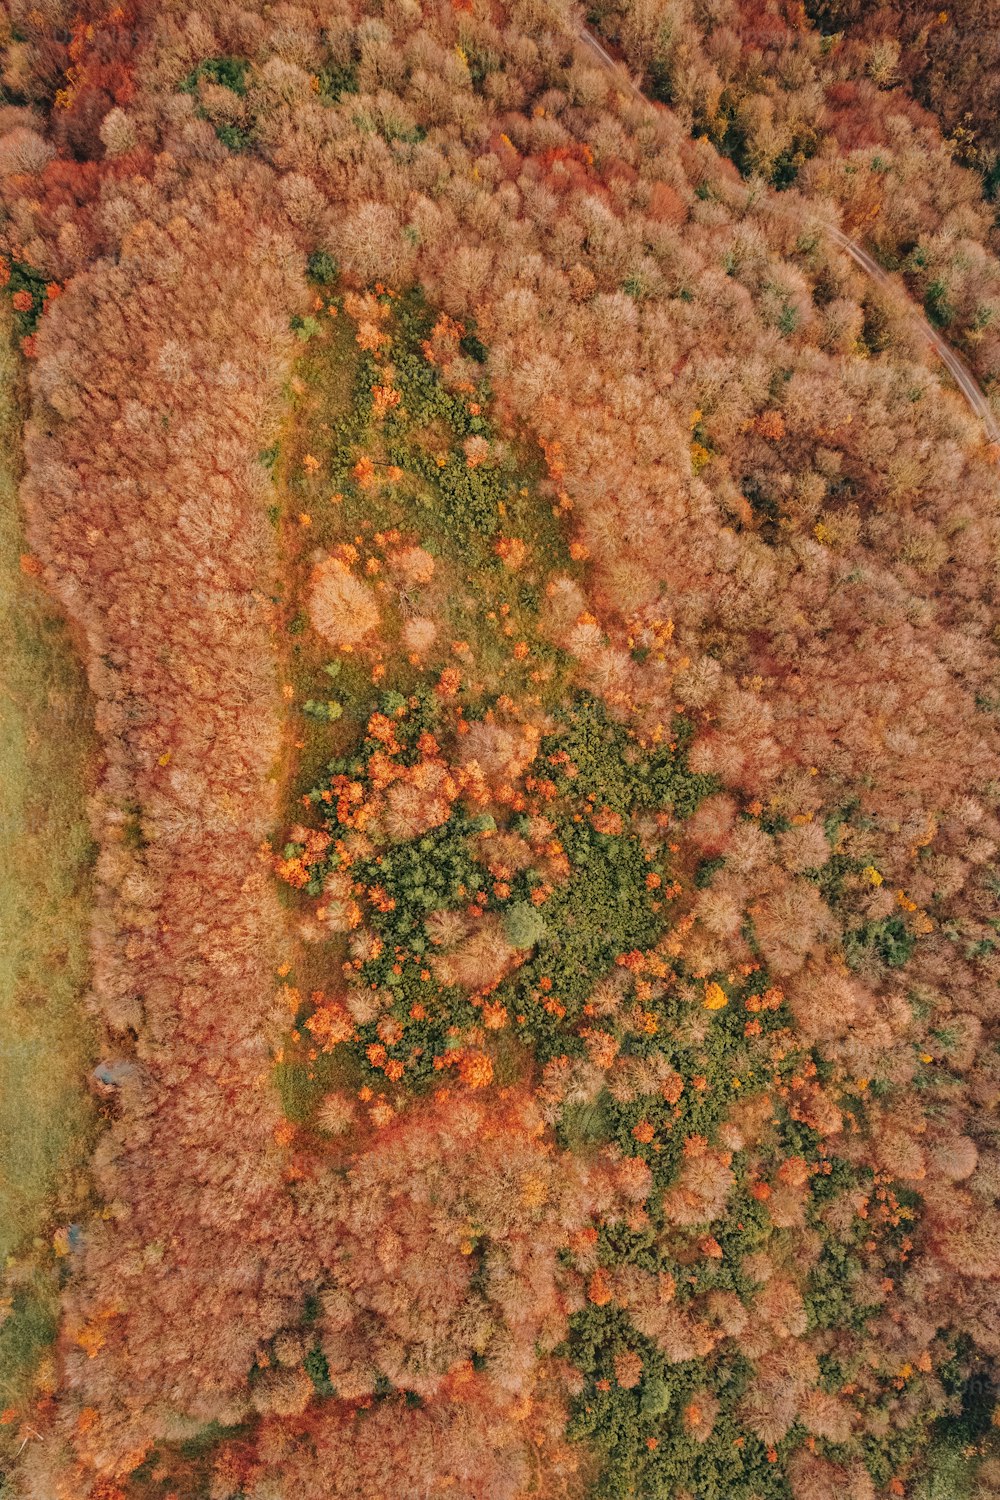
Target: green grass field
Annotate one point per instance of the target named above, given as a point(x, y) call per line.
point(46, 754)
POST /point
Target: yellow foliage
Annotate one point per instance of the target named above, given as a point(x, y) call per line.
point(700, 456)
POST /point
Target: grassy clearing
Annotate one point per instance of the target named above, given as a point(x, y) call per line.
point(951, 1476)
point(319, 399)
point(46, 752)
point(322, 504)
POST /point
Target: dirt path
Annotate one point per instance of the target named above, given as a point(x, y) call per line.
point(953, 361)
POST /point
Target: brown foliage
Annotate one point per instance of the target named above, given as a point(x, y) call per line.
point(153, 395)
point(812, 578)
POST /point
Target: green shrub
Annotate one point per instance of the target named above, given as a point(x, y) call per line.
point(524, 925)
point(228, 72)
point(888, 940)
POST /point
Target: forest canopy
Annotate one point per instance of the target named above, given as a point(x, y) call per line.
point(538, 595)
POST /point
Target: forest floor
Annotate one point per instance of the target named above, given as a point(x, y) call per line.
point(46, 758)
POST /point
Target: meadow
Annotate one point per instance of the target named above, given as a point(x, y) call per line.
point(47, 1120)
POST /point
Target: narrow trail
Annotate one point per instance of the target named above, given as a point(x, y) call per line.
point(949, 357)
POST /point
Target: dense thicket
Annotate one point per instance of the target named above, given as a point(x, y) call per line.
point(829, 115)
point(153, 392)
point(689, 875)
point(951, 57)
